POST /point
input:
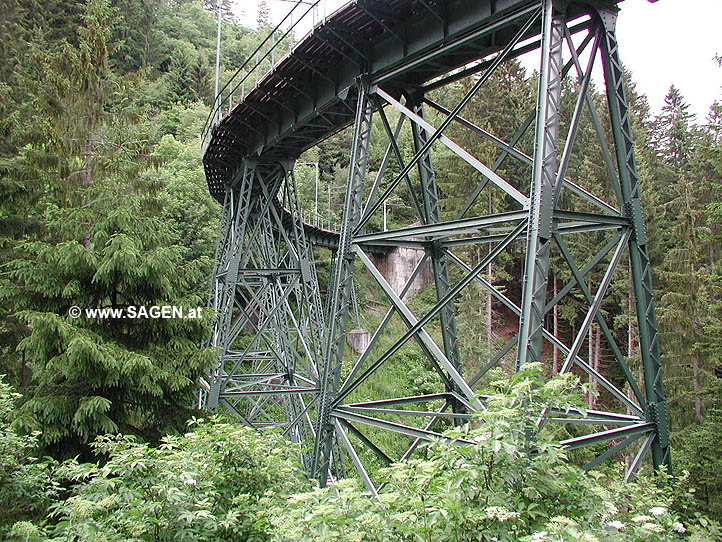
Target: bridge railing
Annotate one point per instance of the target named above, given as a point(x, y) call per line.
point(256, 67)
point(320, 221)
point(330, 222)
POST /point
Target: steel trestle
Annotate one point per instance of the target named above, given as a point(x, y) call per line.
point(281, 341)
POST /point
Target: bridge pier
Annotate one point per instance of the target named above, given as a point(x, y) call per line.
point(398, 264)
point(340, 296)
point(265, 280)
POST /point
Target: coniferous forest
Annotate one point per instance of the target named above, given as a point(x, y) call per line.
point(104, 203)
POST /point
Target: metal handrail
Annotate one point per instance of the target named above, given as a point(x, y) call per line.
point(215, 115)
point(329, 223)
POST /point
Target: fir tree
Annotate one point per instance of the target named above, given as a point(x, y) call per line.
point(673, 129)
point(684, 300)
point(104, 246)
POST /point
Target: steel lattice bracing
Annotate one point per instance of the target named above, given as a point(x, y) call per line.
point(283, 362)
point(545, 187)
point(440, 265)
point(265, 283)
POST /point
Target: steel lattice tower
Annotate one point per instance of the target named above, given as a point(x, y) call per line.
point(283, 360)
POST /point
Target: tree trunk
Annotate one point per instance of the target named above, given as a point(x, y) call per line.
point(88, 176)
point(489, 315)
point(629, 455)
point(590, 358)
point(23, 367)
point(597, 360)
point(630, 328)
point(697, 388)
point(696, 369)
point(88, 159)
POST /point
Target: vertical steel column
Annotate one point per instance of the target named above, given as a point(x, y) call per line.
point(225, 239)
point(340, 296)
point(309, 284)
point(432, 210)
point(656, 408)
point(227, 275)
point(310, 322)
point(225, 235)
point(543, 189)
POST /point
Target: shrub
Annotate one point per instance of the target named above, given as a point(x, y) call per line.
point(201, 486)
point(26, 484)
point(506, 486)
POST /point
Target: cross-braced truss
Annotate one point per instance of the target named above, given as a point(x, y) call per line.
point(283, 360)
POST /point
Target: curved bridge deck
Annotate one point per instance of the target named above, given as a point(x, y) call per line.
point(310, 94)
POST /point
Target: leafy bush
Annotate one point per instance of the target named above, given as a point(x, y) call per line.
point(697, 449)
point(225, 482)
point(204, 485)
point(506, 486)
point(26, 487)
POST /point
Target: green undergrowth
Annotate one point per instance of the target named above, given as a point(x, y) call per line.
point(497, 485)
point(219, 481)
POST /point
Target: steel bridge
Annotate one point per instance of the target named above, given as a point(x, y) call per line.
point(283, 361)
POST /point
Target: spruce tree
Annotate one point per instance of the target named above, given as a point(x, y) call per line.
point(674, 134)
point(684, 296)
point(104, 245)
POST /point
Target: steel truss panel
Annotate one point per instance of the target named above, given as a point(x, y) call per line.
point(282, 355)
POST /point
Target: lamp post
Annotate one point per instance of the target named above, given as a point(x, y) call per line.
point(218, 60)
point(315, 205)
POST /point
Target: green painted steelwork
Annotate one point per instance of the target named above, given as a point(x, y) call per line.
point(282, 352)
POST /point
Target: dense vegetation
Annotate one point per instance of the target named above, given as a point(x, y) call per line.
point(103, 204)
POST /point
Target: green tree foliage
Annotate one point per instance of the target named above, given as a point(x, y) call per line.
point(684, 299)
point(223, 482)
point(226, 7)
point(685, 303)
point(499, 486)
point(711, 155)
point(697, 448)
point(103, 204)
point(188, 204)
point(687, 234)
point(135, 33)
point(674, 130)
point(204, 485)
point(26, 485)
point(103, 243)
point(93, 376)
point(699, 328)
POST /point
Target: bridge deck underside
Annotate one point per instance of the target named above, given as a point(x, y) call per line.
point(310, 94)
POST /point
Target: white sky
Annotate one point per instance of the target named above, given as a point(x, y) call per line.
point(668, 42)
point(673, 41)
